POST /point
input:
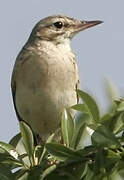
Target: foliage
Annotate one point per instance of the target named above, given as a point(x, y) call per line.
point(72, 159)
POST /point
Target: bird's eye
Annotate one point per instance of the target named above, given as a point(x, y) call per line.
point(58, 24)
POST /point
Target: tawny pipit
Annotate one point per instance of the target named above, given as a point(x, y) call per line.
point(45, 75)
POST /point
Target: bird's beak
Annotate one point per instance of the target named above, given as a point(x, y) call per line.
point(82, 25)
point(88, 24)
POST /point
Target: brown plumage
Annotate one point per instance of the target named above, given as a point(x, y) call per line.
point(45, 74)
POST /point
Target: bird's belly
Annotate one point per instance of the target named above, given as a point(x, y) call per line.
point(41, 97)
point(42, 111)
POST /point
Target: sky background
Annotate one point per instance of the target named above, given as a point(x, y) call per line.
point(99, 50)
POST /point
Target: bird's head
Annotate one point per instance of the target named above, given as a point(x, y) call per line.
point(60, 28)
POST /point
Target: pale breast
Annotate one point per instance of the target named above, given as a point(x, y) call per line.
point(46, 84)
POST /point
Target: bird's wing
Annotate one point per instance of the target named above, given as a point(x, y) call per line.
point(13, 88)
point(19, 61)
point(24, 56)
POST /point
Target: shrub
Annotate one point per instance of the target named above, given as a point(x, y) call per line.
point(102, 158)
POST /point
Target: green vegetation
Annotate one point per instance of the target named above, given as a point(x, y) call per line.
point(73, 159)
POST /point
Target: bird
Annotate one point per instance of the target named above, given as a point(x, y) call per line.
point(45, 74)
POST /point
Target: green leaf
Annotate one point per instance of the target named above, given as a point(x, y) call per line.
point(81, 170)
point(67, 126)
point(91, 106)
point(107, 117)
point(114, 122)
point(2, 150)
point(28, 140)
point(87, 151)
point(35, 173)
point(22, 156)
point(121, 106)
point(6, 158)
point(78, 135)
point(21, 174)
point(103, 137)
point(6, 174)
point(10, 149)
point(90, 175)
point(102, 163)
point(14, 141)
point(48, 171)
point(6, 147)
point(116, 176)
point(113, 155)
point(62, 152)
point(80, 107)
point(55, 176)
point(81, 119)
point(119, 124)
point(49, 140)
point(38, 153)
point(80, 132)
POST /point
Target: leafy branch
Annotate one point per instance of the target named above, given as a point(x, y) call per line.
point(102, 159)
